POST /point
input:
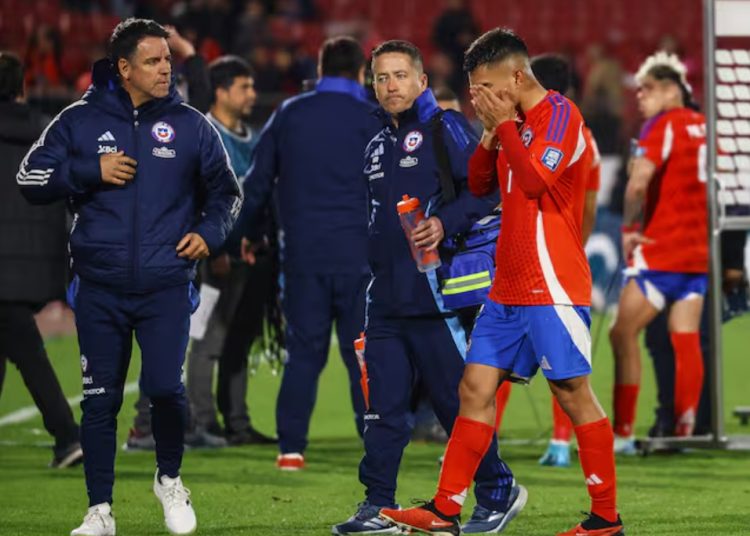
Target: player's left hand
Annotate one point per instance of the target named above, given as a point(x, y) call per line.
point(193, 247)
point(631, 240)
point(428, 233)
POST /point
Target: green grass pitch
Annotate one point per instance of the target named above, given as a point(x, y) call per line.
point(238, 491)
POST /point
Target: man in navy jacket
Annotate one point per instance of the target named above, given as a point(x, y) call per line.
point(152, 191)
point(409, 332)
point(310, 153)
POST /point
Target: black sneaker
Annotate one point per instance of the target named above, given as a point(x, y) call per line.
point(201, 438)
point(67, 456)
point(138, 440)
point(596, 526)
point(250, 436)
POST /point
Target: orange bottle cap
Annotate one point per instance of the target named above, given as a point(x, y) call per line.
point(407, 204)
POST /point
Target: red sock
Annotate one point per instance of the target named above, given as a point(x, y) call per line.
point(595, 450)
point(562, 426)
point(626, 400)
point(468, 443)
point(501, 400)
point(688, 374)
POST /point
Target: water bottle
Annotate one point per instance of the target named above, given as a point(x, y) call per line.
point(359, 350)
point(410, 214)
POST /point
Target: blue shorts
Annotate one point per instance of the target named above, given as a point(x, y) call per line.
point(523, 338)
point(662, 288)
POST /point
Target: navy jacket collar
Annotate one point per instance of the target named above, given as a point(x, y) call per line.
point(422, 111)
point(339, 84)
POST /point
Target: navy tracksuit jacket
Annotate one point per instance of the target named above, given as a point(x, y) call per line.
point(310, 156)
point(123, 247)
point(409, 332)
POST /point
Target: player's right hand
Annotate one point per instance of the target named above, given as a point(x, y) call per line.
point(630, 241)
point(117, 168)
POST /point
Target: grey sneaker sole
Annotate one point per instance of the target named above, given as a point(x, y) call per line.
point(515, 508)
point(513, 511)
point(387, 530)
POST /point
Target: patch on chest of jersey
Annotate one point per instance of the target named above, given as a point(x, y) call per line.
point(162, 132)
point(408, 161)
point(552, 157)
point(527, 136)
point(412, 141)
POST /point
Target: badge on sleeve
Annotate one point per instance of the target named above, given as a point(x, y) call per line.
point(551, 158)
point(162, 132)
point(412, 141)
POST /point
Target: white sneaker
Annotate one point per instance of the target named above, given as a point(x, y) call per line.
point(98, 522)
point(625, 446)
point(179, 515)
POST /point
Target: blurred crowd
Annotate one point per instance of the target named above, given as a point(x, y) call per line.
point(59, 40)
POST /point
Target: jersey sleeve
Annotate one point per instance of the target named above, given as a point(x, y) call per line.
point(655, 141)
point(559, 142)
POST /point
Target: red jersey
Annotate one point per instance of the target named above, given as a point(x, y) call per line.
point(540, 258)
point(675, 212)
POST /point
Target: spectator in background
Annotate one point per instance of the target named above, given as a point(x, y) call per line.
point(43, 61)
point(33, 267)
point(602, 101)
point(245, 290)
point(310, 154)
point(251, 29)
point(447, 99)
point(452, 33)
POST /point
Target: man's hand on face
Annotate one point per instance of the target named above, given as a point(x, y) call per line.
point(492, 109)
point(117, 168)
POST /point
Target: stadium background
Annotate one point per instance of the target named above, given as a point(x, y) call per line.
point(605, 41)
point(698, 493)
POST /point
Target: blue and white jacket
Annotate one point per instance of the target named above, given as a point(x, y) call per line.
point(401, 160)
point(125, 237)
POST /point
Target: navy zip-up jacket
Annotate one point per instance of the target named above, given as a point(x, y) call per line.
point(310, 151)
point(401, 160)
point(124, 237)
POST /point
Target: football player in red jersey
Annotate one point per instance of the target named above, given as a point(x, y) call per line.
point(665, 244)
point(553, 72)
point(537, 314)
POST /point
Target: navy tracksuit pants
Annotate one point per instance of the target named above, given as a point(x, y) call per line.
point(396, 351)
point(106, 321)
point(311, 303)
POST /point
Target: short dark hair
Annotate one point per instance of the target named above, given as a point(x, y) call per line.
point(224, 69)
point(402, 47)
point(11, 77)
point(492, 47)
point(552, 71)
point(444, 93)
point(126, 36)
point(341, 56)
